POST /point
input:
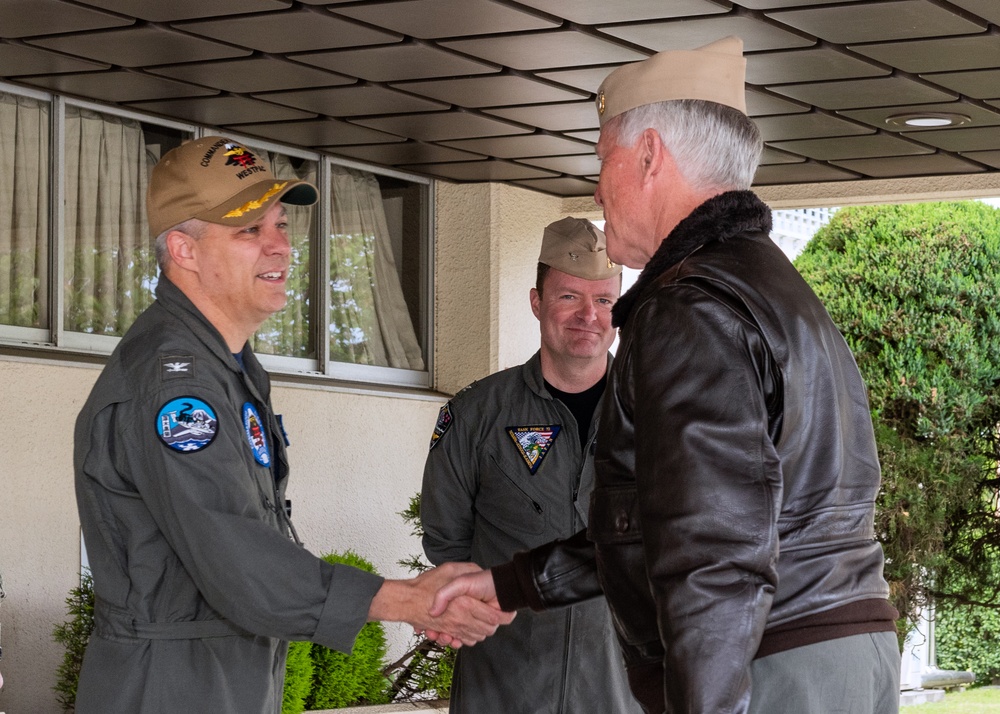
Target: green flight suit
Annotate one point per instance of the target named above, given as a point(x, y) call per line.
point(180, 479)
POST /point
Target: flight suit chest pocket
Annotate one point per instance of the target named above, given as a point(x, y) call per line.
point(614, 516)
point(506, 500)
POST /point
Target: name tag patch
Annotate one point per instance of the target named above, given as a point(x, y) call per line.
point(534, 442)
point(187, 424)
point(256, 436)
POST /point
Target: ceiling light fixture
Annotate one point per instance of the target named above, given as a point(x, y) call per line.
point(927, 120)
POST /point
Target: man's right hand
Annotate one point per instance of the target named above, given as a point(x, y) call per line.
point(461, 620)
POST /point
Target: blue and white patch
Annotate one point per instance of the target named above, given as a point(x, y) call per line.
point(256, 436)
point(187, 424)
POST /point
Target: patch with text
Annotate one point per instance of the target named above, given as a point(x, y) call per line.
point(534, 442)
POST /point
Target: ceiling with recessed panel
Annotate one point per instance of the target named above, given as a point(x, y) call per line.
point(503, 90)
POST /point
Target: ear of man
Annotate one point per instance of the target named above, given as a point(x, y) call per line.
point(536, 302)
point(652, 154)
point(181, 248)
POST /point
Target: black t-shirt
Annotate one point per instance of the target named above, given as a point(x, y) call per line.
point(581, 404)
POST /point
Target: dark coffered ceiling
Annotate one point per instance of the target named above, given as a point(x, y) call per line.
point(502, 90)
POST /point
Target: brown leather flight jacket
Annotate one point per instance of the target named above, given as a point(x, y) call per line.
point(736, 467)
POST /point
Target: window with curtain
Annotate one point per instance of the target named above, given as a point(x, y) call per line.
point(110, 268)
point(356, 298)
point(371, 320)
point(24, 211)
point(290, 332)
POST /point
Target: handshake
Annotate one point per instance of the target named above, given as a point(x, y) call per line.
point(454, 604)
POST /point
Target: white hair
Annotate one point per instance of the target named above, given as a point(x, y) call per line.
point(715, 146)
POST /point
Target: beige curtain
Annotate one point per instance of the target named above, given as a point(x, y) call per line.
point(369, 321)
point(24, 211)
point(110, 267)
point(289, 332)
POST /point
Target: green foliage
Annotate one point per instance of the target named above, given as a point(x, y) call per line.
point(341, 680)
point(74, 634)
point(913, 288)
point(298, 677)
point(967, 637)
point(426, 667)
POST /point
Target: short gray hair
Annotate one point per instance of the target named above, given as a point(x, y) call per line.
point(192, 227)
point(715, 146)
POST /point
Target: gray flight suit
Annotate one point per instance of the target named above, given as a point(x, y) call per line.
point(180, 480)
point(481, 502)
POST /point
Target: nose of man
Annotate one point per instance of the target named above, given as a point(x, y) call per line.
point(277, 242)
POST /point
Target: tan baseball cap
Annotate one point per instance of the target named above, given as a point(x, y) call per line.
point(576, 246)
point(715, 73)
point(217, 180)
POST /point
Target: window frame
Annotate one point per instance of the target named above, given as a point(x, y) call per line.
point(58, 341)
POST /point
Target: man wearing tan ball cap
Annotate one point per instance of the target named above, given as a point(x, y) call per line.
point(181, 467)
point(511, 467)
point(736, 472)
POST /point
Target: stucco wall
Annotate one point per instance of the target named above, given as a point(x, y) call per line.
point(488, 238)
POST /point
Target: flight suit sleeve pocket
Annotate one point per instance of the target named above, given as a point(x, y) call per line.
point(614, 516)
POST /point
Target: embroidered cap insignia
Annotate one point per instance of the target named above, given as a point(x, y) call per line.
point(256, 436)
point(444, 421)
point(534, 442)
point(256, 203)
point(239, 156)
point(187, 424)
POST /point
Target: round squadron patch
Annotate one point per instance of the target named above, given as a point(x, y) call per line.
point(187, 424)
point(256, 436)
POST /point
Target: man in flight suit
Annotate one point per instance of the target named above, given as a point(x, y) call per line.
point(181, 471)
point(511, 467)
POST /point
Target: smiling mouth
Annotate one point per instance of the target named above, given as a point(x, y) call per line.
point(274, 275)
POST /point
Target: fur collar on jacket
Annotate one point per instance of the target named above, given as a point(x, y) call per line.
point(728, 215)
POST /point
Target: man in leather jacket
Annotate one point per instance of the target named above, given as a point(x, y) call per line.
point(731, 524)
point(181, 469)
point(511, 466)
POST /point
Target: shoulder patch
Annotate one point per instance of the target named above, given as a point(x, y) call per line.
point(187, 424)
point(534, 442)
point(444, 421)
point(256, 436)
point(174, 366)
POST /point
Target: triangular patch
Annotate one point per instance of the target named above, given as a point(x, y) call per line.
point(533, 442)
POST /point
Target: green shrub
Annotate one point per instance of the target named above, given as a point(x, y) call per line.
point(913, 288)
point(967, 637)
point(341, 680)
point(74, 635)
point(298, 677)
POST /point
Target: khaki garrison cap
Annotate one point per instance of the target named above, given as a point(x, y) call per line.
point(576, 246)
point(714, 73)
point(217, 180)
